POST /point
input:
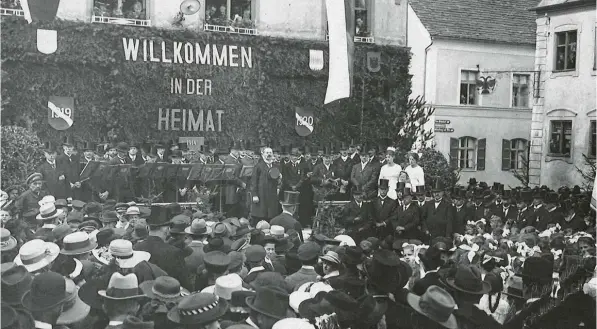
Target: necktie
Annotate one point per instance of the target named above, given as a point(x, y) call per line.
point(54, 165)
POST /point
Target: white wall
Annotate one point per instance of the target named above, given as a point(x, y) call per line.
point(418, 39)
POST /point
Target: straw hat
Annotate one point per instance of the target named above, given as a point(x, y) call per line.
point(48, 211)
point(37, 254)
point(125, 256)
point(436, 304)
point(7, 241)
point(122, 287)
point(198, 308)
point(77, 243)
point(46, 200)
point(227, 284)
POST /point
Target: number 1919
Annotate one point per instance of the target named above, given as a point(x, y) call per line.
point(66, 111)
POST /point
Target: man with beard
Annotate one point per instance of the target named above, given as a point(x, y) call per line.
point(27, 203)
point(55, 179)
point(265, 182)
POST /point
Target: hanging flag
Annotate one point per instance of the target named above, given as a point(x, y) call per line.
point(316, 59)
point(340, 15)
point(42, 11)
point(373, 61)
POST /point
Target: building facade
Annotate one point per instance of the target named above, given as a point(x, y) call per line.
point(475, 67)
point(563, 128)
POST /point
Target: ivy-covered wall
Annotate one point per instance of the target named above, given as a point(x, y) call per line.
point(124, 96)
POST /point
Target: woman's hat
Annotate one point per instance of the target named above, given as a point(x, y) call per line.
point(270, 301)
point(77, 243)
point(46, 200)
point(164, 288)
point(37, 254)
point(122, 287)
point(109, 216)
point(353, 255)
point(468, 280)
point(7, 241)
point(48, 211)
point(331, 256)
point(198, 308)
point(74, 309)
point(436, 304)
point(125, 256)
point(227, 284)
point(16, 281)
point(48, 290)
point(345, 240)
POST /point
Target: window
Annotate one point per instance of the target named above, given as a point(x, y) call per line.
point(520, 90)
point(467, 153)
point(566, 51)
point(468, 87)
point(361, 18)
point(592, 140)
point(10, 4)
point(125, 12)
point(235, 13)
point(560, 139)
point(514, 154)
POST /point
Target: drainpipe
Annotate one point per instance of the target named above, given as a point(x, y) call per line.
point(425, 69)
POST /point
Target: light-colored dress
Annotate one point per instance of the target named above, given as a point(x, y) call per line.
point(416, 176)
point(391, 173)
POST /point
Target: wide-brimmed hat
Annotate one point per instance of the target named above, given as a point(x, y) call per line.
point(122, 287)
point(198, 227)
point(48, 211)
point(436, 304)
point(227, 284)
point(164, 288)
point(331, 256)
point(48, 290)
point(383, 270)
point(270, 301)
point(46, 200)
point(16, 281)
point(467, 279)
point(7, 241)
point(74, 309)
point(178, 226)
point(77, 243)
point(37, 254)
point(125, 256)
point(198, 308)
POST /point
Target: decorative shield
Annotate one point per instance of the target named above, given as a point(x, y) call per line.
point(316, 60)
point(373, 61)
point(47, 41)
point(304, 121)
point(60, 112)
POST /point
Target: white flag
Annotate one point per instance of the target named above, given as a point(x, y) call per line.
point(25, 6)
point(339, 75)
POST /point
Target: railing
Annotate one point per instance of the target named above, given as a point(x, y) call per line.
point(356, 39)
point(120, 21)
point(11, 12)
point(230, 29)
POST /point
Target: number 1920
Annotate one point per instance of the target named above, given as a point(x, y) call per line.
point(305, 119)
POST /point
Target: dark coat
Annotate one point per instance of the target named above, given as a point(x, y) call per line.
point(352, 211)
point(576, 223)
point(477, 212)
point(292, 175)
point(288, 223)
point(231, 193)
point(430, 279)
point(383, 213)
point(524, 218)
point(71, 166)
point(507, 215)
point(321, 173)
point(410, 219)
point(365, 178)
point(471, 317)
point(343, 169)
point(438, 218)
point(302, 276)
point(459, 219)
point(60, 189)
point(539, 218)
point(27, 205)
point(138, 160)
point(166, 257)
point(265, 187)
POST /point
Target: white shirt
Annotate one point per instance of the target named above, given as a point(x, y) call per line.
point(327, 166)
point(416, 176)
point(287, 212)
point(363, 165)
point(133, 157)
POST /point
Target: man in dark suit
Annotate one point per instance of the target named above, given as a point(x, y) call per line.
point(353, 153)
point(461, 213)
point(133, 156)
point(364, 176)
point(342, 169)
point(507, 212)
point(264, 188)
point(167, 257)
point(68, 163)
point(286, 218)
point(408, 219)
point(356, 217)
point(323, 174)
point(525, 213)
point(55, 179)
point(232, 189)
point(478, 209)
point(27, 203)
point(122, 187)
point(384, 211)
point(439, 213)
point(86, 190)
point(431, 262)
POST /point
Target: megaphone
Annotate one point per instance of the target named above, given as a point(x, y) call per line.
point(190, 7)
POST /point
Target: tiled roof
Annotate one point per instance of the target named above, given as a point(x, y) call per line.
point(508, 21)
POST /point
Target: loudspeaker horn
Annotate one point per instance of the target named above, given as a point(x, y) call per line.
point(190, 7)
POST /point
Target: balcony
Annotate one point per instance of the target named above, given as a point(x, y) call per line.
point(230, 29)
point(120, 12)
point(11, 8)
point(360, 39)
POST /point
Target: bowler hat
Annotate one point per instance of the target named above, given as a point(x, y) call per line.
point(270, 301)
point(468, 279)
point(198, 308)
point(16, 281)
point(436, 304)
point(164, 288)
point(122, 147)
point(178, 226)
point(48, 290)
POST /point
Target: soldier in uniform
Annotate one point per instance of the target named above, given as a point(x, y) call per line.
point(27, 205)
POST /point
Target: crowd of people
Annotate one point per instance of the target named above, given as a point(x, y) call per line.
point(407, 254)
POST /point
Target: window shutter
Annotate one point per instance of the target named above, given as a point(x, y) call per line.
point(481, 154)
point(506, 154)
point(454, 152)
